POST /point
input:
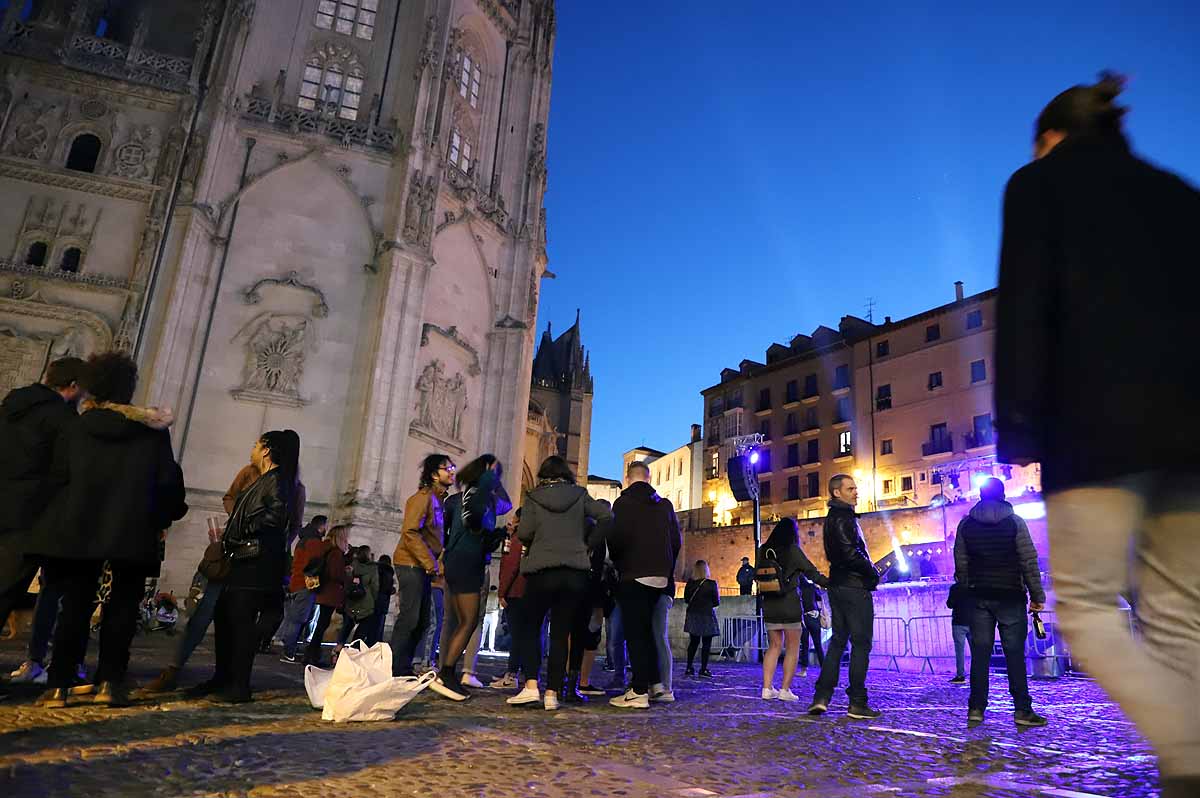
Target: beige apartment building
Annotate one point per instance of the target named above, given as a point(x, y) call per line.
point(675, 475)
point(905, 407)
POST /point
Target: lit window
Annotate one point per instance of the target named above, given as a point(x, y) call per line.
point(460, 151)
point(469, 79)
point(351, 17)
point(844, 444)
point(889, 487)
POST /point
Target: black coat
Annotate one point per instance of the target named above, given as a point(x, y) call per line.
point(116, 488)
point(263, 512)
point(1099, 273)
point(31, 420)
point(644, 540)
point(787, 606)
point(849, 563)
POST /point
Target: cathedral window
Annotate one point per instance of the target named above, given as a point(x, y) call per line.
point(70, 260)
point(331, 82)
point(36, 256)
point(84, 153)
point(460, 151)
point(351, 17)
point(469, 80)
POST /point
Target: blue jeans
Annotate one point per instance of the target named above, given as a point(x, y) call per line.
point(853, 612)
point(428, 648)
point(662, 640)
point(295, 616)
point(614, 635)
point(1009, 616)
point(962, 638)
point(197, 625)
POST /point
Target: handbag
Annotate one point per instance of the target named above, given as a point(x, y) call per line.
point(214, 565)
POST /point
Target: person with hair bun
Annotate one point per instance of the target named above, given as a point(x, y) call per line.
point(1094, 380)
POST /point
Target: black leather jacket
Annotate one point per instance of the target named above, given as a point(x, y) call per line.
point(260, 516)
point(849, 563)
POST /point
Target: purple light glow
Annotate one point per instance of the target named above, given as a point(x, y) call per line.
point(754, 458)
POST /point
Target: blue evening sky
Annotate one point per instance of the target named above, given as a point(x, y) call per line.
point(726, 174)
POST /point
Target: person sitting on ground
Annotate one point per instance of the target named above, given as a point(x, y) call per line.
point(702, 596)
point(780, 567)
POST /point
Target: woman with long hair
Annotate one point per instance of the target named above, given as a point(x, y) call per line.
point(702, 596)
point(783, 562)
point(557, 537)
point(471, 537)
point(255, 544)
point(330, 593)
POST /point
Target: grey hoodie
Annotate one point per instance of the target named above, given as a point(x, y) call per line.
point(989, 559)
point(559, 523)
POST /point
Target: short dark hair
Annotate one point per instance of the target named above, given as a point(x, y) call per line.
point(62, 372)
point(992, 489)
point(1083, 110)
point(554, 467)
point(637, 465)
point(745, 559)
point(110, 377)
point(317, 520)
point(430, 466)
point(473, 471)
point(836, 482)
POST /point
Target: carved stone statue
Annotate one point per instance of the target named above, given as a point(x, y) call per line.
point(277, 93)
point(428, 201)
point(191, 167)
point(412, 211)
point(441, 404)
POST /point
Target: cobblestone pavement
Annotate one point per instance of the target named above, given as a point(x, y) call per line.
point(718, 739)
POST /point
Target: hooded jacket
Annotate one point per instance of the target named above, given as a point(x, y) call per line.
point(116, 488)
point(555, 527)
point(645, 539)
point(994, 554)
point(849, 563)
point(367, 574)
point(31, 419)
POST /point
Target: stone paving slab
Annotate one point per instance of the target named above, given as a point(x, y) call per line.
point(719, 740)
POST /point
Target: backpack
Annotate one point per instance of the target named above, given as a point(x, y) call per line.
point(769, 575)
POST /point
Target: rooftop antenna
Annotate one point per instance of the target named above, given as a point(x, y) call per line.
point(870, 309)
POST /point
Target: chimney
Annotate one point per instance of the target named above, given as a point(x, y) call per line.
point(958, 290)
point(695, 433)
point(887, 319)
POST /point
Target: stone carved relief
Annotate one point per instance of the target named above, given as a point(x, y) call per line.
point(451, 334)
point(21, 358)
point(441, 403)
point(428, 54)
point(418, 210)
point(277, 341)
point(32, 128)
point(191, 167)
point(137, 157)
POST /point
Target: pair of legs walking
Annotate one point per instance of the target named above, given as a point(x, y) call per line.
point(414, 598)
point(561, 592)
point(1009, 616)
point(786, 641)
point(853, 616)
point(703, 643)
point(638, 603)
point(1141, 533)
point(238, 618)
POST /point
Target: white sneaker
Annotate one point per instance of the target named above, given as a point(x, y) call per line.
point(803, 672)
point(469, 680)
point(446, 690)
point(662, 696)
point(551, 700)
point(769, 694)
point(505, 682)
point(631, 700)
point(788, 695)
point(29, 673)
point(528, 695)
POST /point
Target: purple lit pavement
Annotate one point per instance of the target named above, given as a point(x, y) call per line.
point(719, 739)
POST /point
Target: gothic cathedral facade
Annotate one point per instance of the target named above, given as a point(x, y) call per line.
point(322, 215)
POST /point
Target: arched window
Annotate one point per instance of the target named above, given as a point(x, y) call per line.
point(351, 17)
point(70, 260)
point(329, 82)
point(36, 256)
point(460, 151)
point(84, 153)
point(469, 79)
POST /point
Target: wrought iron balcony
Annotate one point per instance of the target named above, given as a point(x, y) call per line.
point(937, 446)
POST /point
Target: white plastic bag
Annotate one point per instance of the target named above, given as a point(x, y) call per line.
point(316, 682)
point(362, 686)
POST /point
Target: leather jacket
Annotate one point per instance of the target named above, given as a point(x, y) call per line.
point(849, 563)
point(259, 511)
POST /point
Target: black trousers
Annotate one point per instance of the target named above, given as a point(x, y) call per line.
point(269, 620)
point(703, 643)
point(235, 629)
point(312, 656)
point(559, 591)
point(637, 614)
point(77, 582)
point(413, 602)
point(812, 628)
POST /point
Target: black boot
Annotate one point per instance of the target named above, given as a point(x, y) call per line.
point(570, 692)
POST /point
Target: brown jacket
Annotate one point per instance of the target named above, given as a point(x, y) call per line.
point(421, 531)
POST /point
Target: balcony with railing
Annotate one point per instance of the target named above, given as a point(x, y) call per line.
point(323, 122)
point(979, 439)
point(940, 445)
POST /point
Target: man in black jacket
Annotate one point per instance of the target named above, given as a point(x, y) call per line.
point(31, 419)
point(644, 543)
point(852, 578)
point(1098, 280)
point(745, 577)
point(995, 558)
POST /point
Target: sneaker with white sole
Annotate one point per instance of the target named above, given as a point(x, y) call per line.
point(528, 695)
point(30, 672)
point(862, 712)
point(788, 695)
point(819, 706)
point(631, 700)
point(505, 682)
point(451, 691)
point(551, 700)
point(469, 680)
point(769, 694)
point(662, 696)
